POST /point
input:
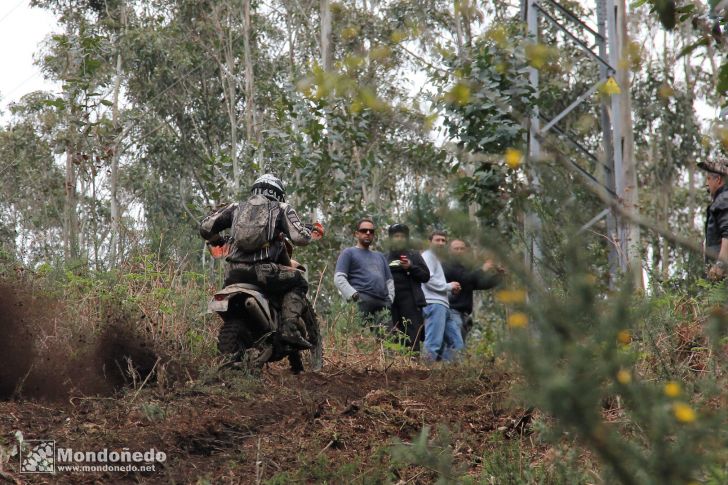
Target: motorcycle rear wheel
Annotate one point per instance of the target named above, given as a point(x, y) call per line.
point(228, 339)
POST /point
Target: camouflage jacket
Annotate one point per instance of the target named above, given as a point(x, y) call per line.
point(716, 223)
point(283, 219)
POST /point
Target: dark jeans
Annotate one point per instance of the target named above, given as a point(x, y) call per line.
point(277, 281)
point(375, 313)
point(407, 318)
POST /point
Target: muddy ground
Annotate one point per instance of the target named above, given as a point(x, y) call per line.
point(110, 388)
point(334, 426)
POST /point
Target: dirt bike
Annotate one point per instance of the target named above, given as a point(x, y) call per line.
point(249, 335)
point(249, 332)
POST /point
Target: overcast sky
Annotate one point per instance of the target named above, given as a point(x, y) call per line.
point(22, 30)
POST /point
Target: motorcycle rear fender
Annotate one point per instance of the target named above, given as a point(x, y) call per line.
point(220, 301)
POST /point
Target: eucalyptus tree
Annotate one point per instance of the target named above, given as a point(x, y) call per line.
point(31, 183)
point(80, 58)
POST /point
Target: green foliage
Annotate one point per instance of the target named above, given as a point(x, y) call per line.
point(508, 465)
point(153, 412)
point(478, 103)
point(585, 352)
point(435, 456)
point(497, 81)
point(665, 10)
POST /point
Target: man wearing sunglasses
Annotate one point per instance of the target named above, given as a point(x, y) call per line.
point(716, 222)
point(363, 276)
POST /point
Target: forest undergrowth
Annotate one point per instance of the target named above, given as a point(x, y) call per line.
point(575, 386)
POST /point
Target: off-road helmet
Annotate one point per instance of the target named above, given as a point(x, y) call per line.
point(270, 187)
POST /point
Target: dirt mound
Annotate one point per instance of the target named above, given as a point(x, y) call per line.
point(16, 343)
point(43, 357)
point(122, 356)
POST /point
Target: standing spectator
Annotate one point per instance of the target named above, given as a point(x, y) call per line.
point(363, 275)
point(442, 334)
point(716, 222)
point(458, 267)
point(409, 271)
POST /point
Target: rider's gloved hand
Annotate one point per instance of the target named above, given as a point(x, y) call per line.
point(219, 247)
point(218, 240)
point(317, 230)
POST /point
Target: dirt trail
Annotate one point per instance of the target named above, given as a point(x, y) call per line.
point(300, 429)
point(43, 356)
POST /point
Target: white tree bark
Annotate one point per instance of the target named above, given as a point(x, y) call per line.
point(250, 128)
point(115, 236)
point(326, 35)
point(631, 194)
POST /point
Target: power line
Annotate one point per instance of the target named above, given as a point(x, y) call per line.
point(12, 10)
point(22, 83)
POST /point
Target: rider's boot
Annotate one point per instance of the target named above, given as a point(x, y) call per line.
point(291, 334)
point(294, 359)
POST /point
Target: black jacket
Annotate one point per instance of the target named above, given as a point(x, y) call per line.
point(281, 219)
point(716, 221)
point(407, 284)
point(470, 280)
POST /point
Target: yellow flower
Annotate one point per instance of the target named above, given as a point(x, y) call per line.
point(610, 87)
point(459, 94)
point(539, 54)
point(672, 389)
point(517, 320)
point(349, 33)
point(380, 52)
point(624, 377)
point(398, 36)
point(665, 91)
point(356, 106)
point(513, 157)
point(683, 412)
point(429, 121)
point(353, 62)
point(511, 297)
point(721, 132)
point(499, 35)
point(624, 337)
point(501, 67)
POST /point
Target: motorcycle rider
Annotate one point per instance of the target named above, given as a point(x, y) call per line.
point(258, 253)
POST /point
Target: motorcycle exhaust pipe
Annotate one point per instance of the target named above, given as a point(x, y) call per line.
point(254, 310)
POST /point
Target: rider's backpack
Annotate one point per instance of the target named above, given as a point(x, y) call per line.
point(252, 228)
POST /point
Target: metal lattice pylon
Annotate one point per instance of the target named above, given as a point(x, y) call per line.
point(604, 49)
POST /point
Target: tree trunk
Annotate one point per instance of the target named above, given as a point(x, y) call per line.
point(291, 43)
point(231, 106)
point(250, 129)
point(70, 216)
point(231, 89)
point(664, 211)
point(114, 239)
point(326, 56)
point(631, 195)
point(690, 90)
point(459, 34)
point(664, 169)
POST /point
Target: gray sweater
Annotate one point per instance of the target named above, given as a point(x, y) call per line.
point(436, 290)
point(365, 272)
